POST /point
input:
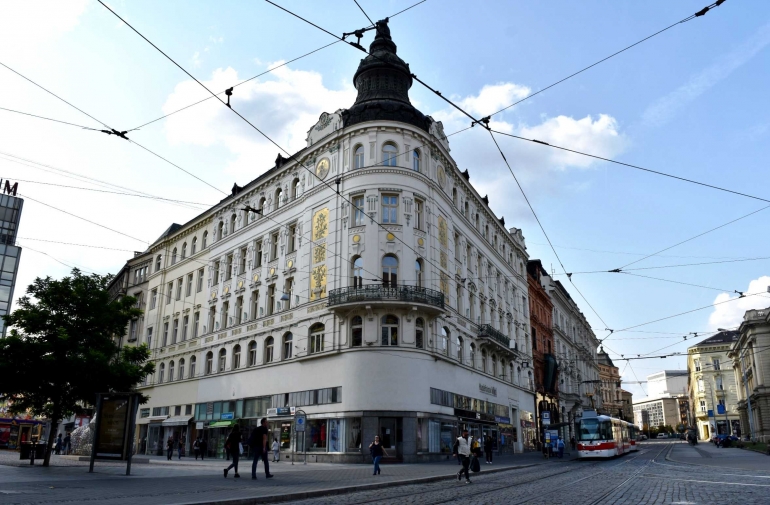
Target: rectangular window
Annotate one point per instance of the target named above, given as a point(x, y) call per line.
point(216, 272)
point(169, 292)
point(270, 299)
point(149, 337)
point(358, 211)
point(196, 321)
point(179, 289)
point(292, 238)
point(188, 292)
point(229, 267)
point(239, 310)
point(258, 254)
point(715, 362)
point(175, 332)
point(254, 303)
point(390, 209)
point(165, 334)
point(199, 288)
point(288, 289)
point(144, 413)
point(153, 298)
point(697, 365)
point(132, 331)
point(274, 246)
point(242, 266)
point(419, 218)
point(185, 325)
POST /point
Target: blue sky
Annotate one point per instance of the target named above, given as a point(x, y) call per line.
point(690, 102)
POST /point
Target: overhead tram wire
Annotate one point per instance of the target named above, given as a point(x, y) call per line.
point(365, 14)
point(110, 130)
point(689, 18)
point(683, 179)
point(73, 244)
point(47, 118)
point(685, 283)
point(60, 261)
point(619, 271)
point(271, 69)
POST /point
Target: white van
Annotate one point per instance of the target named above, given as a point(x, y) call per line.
point(661, 435)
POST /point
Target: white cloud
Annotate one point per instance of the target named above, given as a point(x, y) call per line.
point(196, 59)
point(730, 314)
point(285, 107)
point(663, 109)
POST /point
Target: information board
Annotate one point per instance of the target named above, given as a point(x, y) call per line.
point(113, 423)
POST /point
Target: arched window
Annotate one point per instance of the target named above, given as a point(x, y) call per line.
point(261, 207)
point(236, 364)
point(173, 256)
point(278, 196)
point(222, 360)
point(454, 196)
point(220, 230)
point(269, 349)
point(419, 333)
point(484, 361)
point(184, 250)
point(205, 239)
point(252, 353)
point(389, 155)
point(287, 346)
point(418, 273)
point(444, 343)
point(460, 349)
point(389, 271)
point(181, 369)
point(158, 263)
point(530, 383)
point(194, 246)
point(171, 370)
point(193, 359)
point(472, 356)
point(356, 331)
point(416, 160)
point(161, 372)
point(209, 363)
point(233, 220)
point(295, 189)
point(494, 365)
point(317, 338)
point(358, 161)
point(389, 330)
point(357, 273)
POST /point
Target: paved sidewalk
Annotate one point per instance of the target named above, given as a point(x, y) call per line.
point(164, 482)
point(707, 454)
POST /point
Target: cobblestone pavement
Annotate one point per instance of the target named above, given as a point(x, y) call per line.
point(636, 479)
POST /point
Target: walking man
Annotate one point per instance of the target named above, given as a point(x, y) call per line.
point(560, 447)
point(233, 443)
point(169, 448)
point(67, 443)
point(258, 443)
point(488, 444)
point(197, 448)
point(573, 443)
point(462, 448)
point(204, 447)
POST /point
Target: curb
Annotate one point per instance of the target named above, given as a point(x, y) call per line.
point(302, 495)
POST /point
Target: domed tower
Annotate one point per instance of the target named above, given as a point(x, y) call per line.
point(383, 81)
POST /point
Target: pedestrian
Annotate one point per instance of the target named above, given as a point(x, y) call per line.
point(547, 448)
point(462, 449)
point(197, 448)
point(67, 443)
point(488, 444)
point(169, 448)
point(560, 447)
point(258, 443)
point(233, 442)
point(204, 447)
point(180, 448)
point(377, 451)
point(58, 446)
point(573, 443)
point(275, 448)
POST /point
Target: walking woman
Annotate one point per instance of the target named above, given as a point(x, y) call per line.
point(234, 444)
point(377, 451)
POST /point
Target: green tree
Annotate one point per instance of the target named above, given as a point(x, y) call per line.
point(61, 351)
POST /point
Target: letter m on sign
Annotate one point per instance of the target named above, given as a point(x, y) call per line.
point(11, 190)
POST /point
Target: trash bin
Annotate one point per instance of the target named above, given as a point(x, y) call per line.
point(24, 449)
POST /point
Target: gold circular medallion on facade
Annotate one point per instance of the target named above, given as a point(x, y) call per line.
point(420, 241)
point(272, 271)
point(240, 284)
point(289, 264)
point(390, 236)
point(226, 290)
point(356, 238)
point(322, 168)
point(213, 294)
point(256, 277)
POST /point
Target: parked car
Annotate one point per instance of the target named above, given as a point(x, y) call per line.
point(661, 435)
point(642, 437)
point(722, 437)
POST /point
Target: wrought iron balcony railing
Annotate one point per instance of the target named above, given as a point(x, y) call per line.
point(379, 292)
point(486, 330)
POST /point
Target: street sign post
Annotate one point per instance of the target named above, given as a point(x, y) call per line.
point(300, 421)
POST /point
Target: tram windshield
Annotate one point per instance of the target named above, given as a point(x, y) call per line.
point(593, 429)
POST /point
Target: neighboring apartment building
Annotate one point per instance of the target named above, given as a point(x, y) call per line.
point(627, 398)
point(376, 291)
point(667, 384)
point(656, 412)
point(751, 371)
point(575, 346)
point(712, 386)
point(10, 254)
point(609, 375)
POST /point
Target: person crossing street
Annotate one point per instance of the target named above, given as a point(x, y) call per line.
point(462, 448)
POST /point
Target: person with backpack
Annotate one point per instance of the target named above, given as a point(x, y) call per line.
point(463, 448)
point(377, 451)
point(233, 443)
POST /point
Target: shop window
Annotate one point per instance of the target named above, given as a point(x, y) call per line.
point(288, 346)
point(269, 349)
point(356, 331)
point(419, 333)
point(354, 433)
point(389, 330)
point(317, 435)
point(252, 360)
point(316, 338)
point(222, 360)
point(236, 358)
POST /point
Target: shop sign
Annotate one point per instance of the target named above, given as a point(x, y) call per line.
point(502, 420)
point(489, 390)
point(199, 425)
point(226, 416)
point(283, 411)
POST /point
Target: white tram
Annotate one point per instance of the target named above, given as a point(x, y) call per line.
point(604, 436)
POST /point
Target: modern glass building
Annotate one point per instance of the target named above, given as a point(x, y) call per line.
point(10, 254)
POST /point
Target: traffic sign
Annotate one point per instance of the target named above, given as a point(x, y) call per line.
point(299, 423)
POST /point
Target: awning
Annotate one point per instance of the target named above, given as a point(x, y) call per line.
point(221, 424)
point(177, 421)
point(155, 419)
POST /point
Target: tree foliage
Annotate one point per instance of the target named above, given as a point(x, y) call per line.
point(61, 351)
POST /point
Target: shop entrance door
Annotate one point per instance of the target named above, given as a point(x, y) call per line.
point(390, 436)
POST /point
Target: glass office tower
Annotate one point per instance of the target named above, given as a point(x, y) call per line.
point(10, 254)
